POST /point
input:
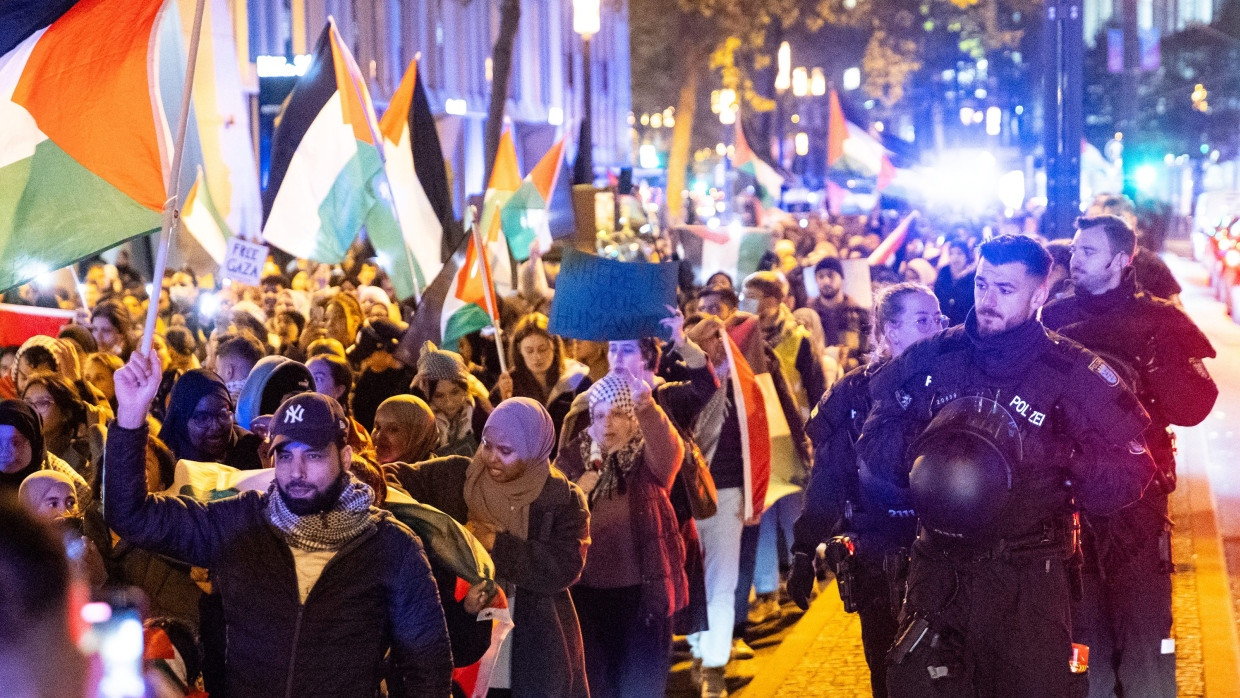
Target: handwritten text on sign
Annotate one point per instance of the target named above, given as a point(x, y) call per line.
point(601, 299)
point(244, 262)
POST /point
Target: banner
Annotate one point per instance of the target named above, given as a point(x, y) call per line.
point(21, 322)
point(601, 299)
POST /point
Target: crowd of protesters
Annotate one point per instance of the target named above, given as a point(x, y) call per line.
point(607, 482)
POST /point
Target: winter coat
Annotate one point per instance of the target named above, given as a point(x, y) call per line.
point(375, 595)
point(547, 655)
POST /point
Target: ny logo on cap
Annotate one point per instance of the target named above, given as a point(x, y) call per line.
point(294, 414)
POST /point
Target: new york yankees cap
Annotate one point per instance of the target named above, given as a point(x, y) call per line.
point(309, 418)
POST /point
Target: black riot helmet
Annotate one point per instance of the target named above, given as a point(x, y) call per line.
point(962, 469)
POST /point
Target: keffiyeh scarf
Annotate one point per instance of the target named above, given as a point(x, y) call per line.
point(350, 517)
point(613, 469)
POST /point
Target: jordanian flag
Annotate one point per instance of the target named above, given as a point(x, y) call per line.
point(770, 182)
point(326, 178)
point(524, 217)
point(201, 218)
point(83, 148)
point(454, 305)
point(505, 181)
point(419, 239)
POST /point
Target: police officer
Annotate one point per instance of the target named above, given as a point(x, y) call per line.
point(1000, 431)
point(1124, 614)
point(867, 537)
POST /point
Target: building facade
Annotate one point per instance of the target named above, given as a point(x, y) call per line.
point(453, 39)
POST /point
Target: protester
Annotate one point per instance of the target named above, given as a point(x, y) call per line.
point(634, 580)
point(540, 371)
point(405, 430)
point(954, 287)
point(38, 655)
point(352, 570)
point(450, 390)
point(49, 494)
point(265, 390)
point(235, 357)
point(845, 324)
point(182, 349)
point(343, 318)
point(22, 452)
point(72, 429)
point(334, 378)
point(200, 426)
point(98, 370)
point(381, 375)
point(534, 522)
point(112, 326)
point(764, 295)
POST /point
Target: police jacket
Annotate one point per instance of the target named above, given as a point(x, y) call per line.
point(1155, 346)
point(834, 427)
point(374, 596)
point(1080, 427)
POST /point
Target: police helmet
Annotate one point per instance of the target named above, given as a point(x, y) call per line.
point(961, 478)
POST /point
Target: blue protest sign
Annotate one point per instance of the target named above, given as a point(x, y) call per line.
point(601, 299)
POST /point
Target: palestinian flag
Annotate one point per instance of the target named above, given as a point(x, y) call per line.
point(454, 305)
point(505, 181)
point(83, 144)
point(524, 218)
point(885, 253)
point(201, 217)
point(326, 179)
point(409, 135)
point(755, 430)
point(734, 251)
point(851, 148)
point(770, 182)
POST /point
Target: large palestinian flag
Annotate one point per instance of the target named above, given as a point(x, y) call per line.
point(770, 183)
point(505, 181)
point(326, 179)
point(734, 251)
point(83, 144)
point(409, 135)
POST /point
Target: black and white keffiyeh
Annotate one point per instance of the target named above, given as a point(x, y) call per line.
point(351, 516)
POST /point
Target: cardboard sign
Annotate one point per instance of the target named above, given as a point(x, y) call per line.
point(602, 299)
point(244, 261)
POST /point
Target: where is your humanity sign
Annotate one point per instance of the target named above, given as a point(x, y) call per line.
point(601, 300)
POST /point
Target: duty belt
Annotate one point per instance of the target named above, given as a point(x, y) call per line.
point(1058, 536)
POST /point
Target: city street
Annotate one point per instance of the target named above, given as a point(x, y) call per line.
point(820, 655)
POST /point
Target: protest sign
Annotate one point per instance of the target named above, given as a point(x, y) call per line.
point(601, 299)
point(244, 262)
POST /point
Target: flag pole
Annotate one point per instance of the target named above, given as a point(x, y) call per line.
point(374, 136)
point(171, 217)
point(471, 222)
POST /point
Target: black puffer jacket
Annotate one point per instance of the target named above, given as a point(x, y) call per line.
point(375, 594)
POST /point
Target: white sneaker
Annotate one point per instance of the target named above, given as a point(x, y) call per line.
point(741, 649)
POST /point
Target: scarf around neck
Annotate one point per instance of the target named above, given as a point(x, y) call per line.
point(613, 468)
point(351, 516)
point(504, 505)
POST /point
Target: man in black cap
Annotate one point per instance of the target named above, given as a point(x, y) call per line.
point(380, 373)
point(999, 432)
point(1124, 614)
point(845, 325)
point(318, 584)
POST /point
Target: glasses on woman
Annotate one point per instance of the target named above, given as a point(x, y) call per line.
point(42, 405)
point(929, 323)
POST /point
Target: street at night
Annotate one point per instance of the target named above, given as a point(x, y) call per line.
point(619, 348)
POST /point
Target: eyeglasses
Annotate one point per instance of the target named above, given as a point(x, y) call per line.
point(42, 405)
point(926, 323)
point(202, 420)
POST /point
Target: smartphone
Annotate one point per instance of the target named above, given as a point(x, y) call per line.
point(114, 643)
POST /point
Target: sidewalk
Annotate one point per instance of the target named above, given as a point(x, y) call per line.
point(821, 655)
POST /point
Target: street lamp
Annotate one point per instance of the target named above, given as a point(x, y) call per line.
point(586, 22)
point(784, 60)
point(800, 82)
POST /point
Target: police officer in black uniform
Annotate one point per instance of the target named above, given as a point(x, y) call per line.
point(1001, 432)
point(867, 537)
point(1124, 614)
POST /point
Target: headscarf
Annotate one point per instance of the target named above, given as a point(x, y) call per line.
point(21, 416)
point(36, 486)
point(506, 505)
point(39, 340)
point(613, 468)
point(414, 413)
point(189, 389)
